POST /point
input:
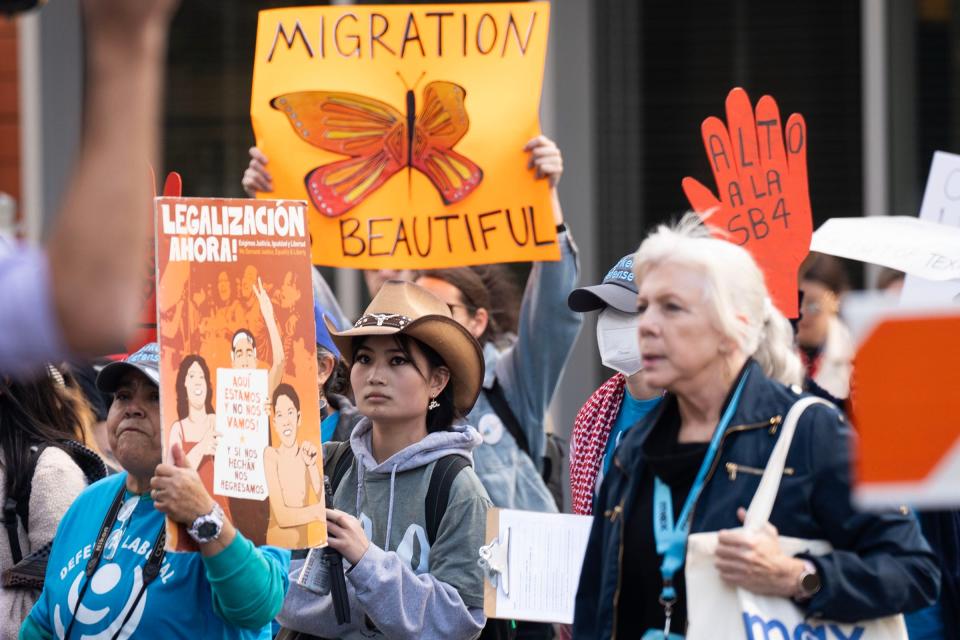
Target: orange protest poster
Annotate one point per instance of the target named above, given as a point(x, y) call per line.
point(238, 368)
point(762, 201)
point(905, 408)
point(403, 126)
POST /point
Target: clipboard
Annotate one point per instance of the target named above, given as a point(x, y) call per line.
point(532, 564)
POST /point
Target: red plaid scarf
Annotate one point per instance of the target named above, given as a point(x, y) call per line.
point(591, 430)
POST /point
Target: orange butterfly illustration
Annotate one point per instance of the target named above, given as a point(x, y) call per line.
point(380, 141)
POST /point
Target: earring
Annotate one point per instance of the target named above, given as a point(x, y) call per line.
point(433, 404)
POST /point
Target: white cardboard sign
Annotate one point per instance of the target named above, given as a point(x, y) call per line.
point(941, 204)
point(926, 249)
point(244, 429)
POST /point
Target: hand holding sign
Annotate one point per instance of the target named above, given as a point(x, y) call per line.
point(177, 490)
point(764, 202)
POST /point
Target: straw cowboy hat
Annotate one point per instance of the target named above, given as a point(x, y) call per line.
point(403, 307)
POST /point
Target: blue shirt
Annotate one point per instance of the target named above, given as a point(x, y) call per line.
point(328, 425)
point(631, 412)
point(179, 603)
point(925, 624)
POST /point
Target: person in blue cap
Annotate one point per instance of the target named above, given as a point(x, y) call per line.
point(622, 400)
point(338, 414)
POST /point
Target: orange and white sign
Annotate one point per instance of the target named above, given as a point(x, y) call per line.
point(404, 127)
point(238, 364)
point(906, 410)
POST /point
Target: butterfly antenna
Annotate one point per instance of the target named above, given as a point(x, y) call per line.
point(408, 87)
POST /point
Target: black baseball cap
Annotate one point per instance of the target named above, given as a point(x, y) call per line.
point(618, 290)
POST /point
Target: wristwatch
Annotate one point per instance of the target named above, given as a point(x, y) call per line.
point(207, 527)
point(808, 584)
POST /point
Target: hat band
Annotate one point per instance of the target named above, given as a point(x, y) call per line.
point(394, 320)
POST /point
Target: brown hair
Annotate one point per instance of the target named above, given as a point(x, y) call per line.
point(827, 270)
point(489, 287)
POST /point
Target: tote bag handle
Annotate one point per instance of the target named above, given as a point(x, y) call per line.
point(762, 504)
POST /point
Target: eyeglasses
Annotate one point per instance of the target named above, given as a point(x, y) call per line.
point(811, 309)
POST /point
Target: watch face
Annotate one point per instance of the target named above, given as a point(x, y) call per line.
point(207, 530)
point(810, 583)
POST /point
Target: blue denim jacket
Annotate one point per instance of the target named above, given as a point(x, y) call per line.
point(528, 372)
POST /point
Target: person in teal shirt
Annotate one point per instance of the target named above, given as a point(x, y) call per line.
point(108, 576)
point(623, 400)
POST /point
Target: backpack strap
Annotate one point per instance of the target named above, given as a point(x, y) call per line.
point(340, 461)
point(445, 471)
point(509, 419)
point(16, 508)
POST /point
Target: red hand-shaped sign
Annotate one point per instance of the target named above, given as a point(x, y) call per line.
point(764, 203)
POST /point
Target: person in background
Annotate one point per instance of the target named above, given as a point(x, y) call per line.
point(712, 338)
point(94, 256)
point(43, 468)
point(523, 376)
point(890, 281)
point(825, 343)
point(229, 589)
point(81, 378)
point(338, 415)
point(621, 401)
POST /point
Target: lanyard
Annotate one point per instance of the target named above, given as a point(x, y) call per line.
point(670, 536)
point(150, 571)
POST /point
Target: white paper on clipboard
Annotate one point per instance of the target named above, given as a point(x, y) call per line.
point(544, 556)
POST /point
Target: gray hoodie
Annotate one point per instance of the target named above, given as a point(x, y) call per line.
point(406, 588)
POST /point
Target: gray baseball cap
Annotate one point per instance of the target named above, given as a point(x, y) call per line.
point(146, 360)
point(618, 290)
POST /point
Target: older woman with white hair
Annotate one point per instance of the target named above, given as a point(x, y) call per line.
point(710, 336)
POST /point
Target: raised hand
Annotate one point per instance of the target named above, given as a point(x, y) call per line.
point(764, 204)
point(545, 159)
point(266, 306)
point(256, 177)
point(177, 490)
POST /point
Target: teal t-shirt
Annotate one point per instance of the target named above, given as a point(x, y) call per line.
point(631, 412)
point(328, 425)
point(179, 603)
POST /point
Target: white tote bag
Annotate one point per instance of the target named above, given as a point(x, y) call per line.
point(718, 611)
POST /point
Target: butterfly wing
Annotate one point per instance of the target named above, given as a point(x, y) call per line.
point(441, 124)
point(371, 132)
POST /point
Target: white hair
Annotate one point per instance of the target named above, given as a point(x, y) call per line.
point(735, 292)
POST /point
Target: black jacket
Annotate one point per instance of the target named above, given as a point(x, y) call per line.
point(881, 564)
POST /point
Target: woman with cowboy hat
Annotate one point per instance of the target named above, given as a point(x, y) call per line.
point(414, 370)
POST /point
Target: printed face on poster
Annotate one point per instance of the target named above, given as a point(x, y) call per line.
point(238, 369)
point(404, 128)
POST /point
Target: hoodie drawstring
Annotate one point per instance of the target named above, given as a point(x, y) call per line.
point(393, 478)
point(361, 477)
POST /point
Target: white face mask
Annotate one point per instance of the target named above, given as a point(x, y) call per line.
point(618, 341)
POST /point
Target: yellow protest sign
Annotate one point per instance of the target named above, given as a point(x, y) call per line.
point(404, 128)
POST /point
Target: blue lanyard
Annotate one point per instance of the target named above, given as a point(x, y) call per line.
point(671, 538)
